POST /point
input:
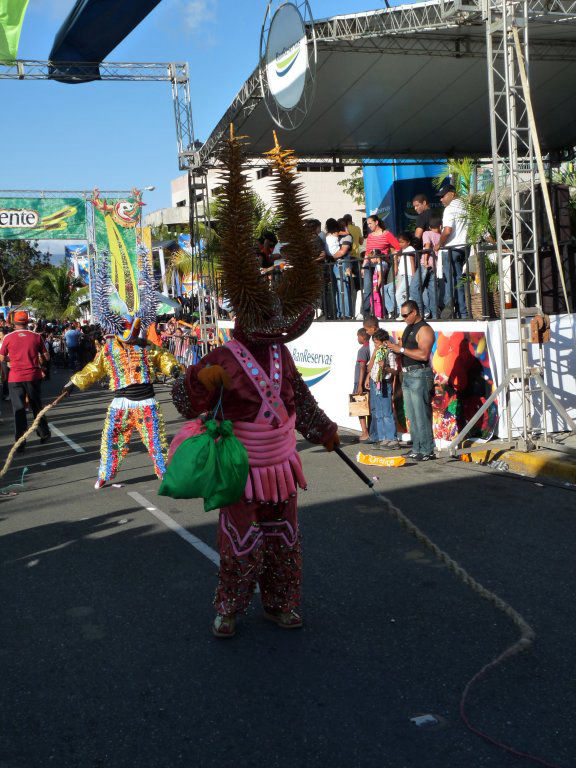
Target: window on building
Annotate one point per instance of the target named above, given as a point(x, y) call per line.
point(181, 204)
point(263, 172)
point(319, 167)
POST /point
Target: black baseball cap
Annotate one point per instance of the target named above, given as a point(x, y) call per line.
point(444, 189)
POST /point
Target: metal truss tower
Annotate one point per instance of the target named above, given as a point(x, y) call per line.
point(177, 74)
point(523, 391)
point(513, 150)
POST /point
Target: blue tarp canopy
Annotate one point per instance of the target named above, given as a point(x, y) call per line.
point(390, 190)
point(92, 29)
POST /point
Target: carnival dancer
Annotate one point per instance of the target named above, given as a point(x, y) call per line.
point(130, 363)
point(255, 381)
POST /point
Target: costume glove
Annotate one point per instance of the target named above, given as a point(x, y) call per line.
point(332, 442)
point(214, 376)
point(68, 388)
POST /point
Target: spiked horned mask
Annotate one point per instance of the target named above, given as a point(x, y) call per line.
point(267, 312)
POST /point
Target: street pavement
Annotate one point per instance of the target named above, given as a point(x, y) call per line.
point(106, 655)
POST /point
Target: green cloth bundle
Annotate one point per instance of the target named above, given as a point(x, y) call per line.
point(212, 466)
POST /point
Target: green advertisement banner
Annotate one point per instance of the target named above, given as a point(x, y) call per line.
point(115, 225)
point(42, 218)
point(11, 18)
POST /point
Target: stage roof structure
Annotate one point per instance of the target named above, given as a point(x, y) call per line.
point(411, 82)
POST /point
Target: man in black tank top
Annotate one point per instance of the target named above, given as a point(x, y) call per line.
point(418, 379)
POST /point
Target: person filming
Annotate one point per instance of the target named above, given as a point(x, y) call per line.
point(418, 379)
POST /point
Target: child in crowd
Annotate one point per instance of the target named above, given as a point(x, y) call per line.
point(424, 285)
point(398, 288)
point(376, 298)
point(371, 325)
point(362, 360)
point(381, 371)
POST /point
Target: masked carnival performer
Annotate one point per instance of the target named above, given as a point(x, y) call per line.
point(131, 364)
point(264, 396)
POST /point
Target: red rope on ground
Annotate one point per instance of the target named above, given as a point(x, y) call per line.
point(485, 736)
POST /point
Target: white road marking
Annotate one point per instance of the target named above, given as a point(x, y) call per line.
point(62, 436)
point(169, 522)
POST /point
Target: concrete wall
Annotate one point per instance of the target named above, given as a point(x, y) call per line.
point(167, 216)
point(325, 197)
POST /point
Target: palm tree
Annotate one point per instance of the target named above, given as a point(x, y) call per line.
point(56, 294)
point(480, 206)
point(461, 171)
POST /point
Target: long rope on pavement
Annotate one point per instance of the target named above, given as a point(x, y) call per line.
point(527, 634)
point(28, 432)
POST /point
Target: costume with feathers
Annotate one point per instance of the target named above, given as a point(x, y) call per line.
point(131, 364)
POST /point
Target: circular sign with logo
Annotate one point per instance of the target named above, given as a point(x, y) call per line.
point(288, 61)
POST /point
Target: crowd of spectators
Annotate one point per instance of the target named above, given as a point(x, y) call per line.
point(426, 265)
point(374, 272)
point(69, 345)
point(182, 340)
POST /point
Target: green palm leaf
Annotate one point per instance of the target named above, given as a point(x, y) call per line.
point(56, 294)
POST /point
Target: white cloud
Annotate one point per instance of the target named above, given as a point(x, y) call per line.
point(198, 13)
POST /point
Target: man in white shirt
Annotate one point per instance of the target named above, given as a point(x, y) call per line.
point(452, 247)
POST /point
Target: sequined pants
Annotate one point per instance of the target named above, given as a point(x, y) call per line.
point(118, 428)
point(259, 544)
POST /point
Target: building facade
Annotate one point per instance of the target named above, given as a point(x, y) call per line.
point(320, 182)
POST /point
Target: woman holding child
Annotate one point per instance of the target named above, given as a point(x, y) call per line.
point(379, 380)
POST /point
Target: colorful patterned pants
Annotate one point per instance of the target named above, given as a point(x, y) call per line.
point(259, 543)
point(122, 418)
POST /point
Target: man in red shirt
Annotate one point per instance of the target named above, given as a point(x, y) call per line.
point(25, 351)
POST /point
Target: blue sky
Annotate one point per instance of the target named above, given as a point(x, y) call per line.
point(120, 135)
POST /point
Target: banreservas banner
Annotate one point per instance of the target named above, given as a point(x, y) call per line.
point(463, 365)
point(39, 218)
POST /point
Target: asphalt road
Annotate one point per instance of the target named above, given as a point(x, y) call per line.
point(106, 655)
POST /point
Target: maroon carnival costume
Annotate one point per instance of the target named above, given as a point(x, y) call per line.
point(258, 538)
point(265, 397)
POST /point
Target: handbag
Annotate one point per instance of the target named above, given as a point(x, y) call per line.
point(359, 405)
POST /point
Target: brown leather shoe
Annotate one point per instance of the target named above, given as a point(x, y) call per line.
point(290, 620)
point(224, 626)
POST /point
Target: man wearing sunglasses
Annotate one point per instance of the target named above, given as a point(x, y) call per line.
point(418, 379)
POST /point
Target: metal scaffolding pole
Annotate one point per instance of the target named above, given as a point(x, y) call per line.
point(522, 385)
point(512, 149)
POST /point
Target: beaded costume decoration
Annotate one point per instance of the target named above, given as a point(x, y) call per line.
point(125, 364)
point(130, 364)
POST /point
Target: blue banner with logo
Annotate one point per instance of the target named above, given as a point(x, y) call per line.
point(77, 258)
point(390, 190)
